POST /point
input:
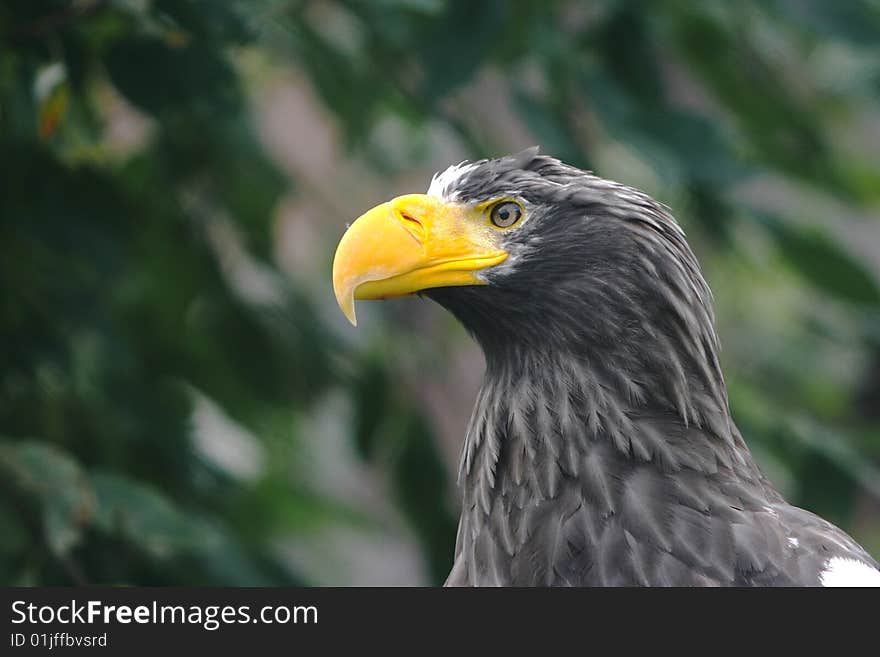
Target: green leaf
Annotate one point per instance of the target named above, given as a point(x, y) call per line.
point(167, 79)
point(677, 142)
point(65, 497)
point(834, 462)
point(348, 87)
point(625, 45)
point(147, 520)
point(225, 161)
point(823, 262)
point(452, 48)
point(140, 514)
point(778, 123)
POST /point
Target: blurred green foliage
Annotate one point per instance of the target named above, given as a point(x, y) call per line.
point(122, 307)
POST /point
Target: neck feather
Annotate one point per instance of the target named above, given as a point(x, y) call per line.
point(539, 415)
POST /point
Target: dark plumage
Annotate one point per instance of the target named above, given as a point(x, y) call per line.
point(601, 450)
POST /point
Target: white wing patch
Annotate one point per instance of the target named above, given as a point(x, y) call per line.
point(843, 571)
point(443, 181)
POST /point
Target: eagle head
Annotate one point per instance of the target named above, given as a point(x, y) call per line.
point(547, 264)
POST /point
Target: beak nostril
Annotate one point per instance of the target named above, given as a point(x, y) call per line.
point(408, 218)
point(412, 225)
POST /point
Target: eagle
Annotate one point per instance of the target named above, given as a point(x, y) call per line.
point(601, 449)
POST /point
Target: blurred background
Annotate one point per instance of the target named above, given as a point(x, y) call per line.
point(181, 402)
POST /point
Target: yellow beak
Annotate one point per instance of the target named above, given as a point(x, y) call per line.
point(408, 244)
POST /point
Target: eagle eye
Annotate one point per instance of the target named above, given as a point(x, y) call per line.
point(505, 214)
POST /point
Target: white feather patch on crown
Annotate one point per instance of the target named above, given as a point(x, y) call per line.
point(443, 182)
point(843, 571)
